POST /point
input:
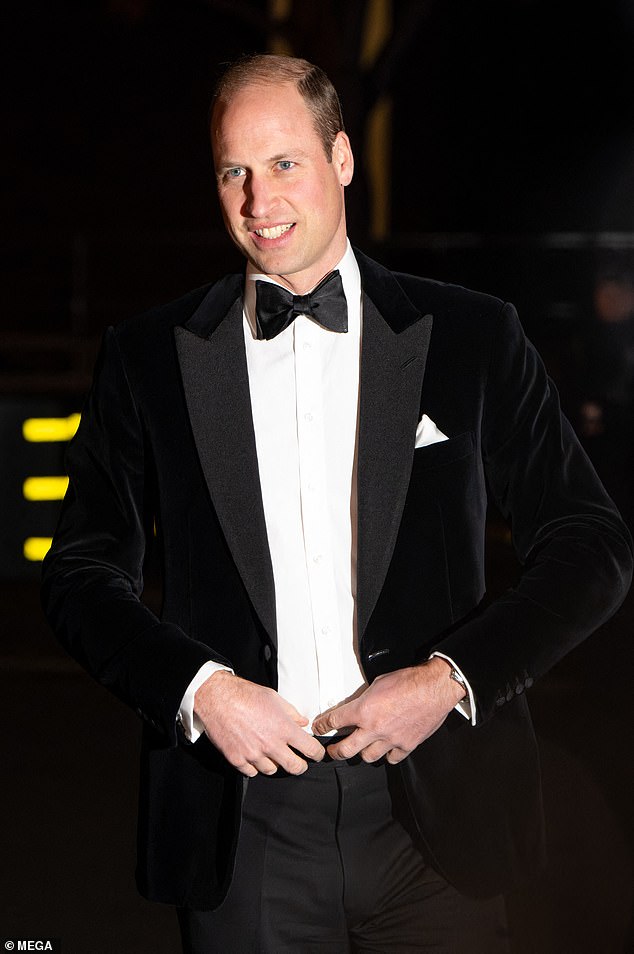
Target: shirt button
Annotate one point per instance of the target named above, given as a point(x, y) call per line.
point(307, 346)
point(325, 630)
point(308, 417)
point(318, 558)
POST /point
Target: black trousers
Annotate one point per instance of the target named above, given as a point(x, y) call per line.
point(327, 862)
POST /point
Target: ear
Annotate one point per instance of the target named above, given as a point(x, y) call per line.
point(342, 158)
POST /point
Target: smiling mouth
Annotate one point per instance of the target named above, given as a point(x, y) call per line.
point(274, 232)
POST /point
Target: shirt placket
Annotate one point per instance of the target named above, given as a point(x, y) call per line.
point(311, 439)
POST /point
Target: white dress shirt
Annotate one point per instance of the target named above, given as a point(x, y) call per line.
point(304, 388)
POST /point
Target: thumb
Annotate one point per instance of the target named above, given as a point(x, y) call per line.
point(292, 712)
point(336, 718)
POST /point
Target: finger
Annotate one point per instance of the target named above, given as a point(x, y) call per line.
point(336, 718)
point(247, 769)
point(265, 765)
point(375, 751)
point(290, 710)
point(350, 746)
point(394, 756)
point(287, 760)
point(294, 765)
point(309, 746)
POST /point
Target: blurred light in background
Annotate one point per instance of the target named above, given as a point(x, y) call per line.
point(34, 434)
point(44, 429)
point(44, 488)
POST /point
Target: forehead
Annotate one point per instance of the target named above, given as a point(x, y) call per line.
point(260, 116)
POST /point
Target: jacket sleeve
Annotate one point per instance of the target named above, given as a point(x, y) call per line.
point(92, 577)
point(575, 550)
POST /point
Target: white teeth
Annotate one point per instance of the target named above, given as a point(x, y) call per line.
point(275, 232)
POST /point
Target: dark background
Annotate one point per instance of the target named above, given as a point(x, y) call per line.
point(511, 169)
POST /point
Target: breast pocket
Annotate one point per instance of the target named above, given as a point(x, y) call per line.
point(437, 561)
point(446, 512)
point(444, 452)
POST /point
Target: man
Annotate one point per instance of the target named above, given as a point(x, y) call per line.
point(337, 750)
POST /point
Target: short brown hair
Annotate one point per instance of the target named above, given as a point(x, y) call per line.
point(310, 81)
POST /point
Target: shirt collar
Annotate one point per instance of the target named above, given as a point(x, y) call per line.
point(350, 277)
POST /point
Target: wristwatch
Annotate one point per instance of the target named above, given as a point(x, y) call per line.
point(457, 677)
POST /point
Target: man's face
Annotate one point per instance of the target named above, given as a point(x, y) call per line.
point(282, 201)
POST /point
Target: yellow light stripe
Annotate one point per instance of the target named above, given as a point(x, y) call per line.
point(44, 488)
point(36, 548)
point(45, 429)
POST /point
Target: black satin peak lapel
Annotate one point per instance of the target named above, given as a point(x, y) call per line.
point(392, 369)
point(215, 379)
point(213, 365)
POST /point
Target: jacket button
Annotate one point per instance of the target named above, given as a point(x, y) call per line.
point(267, 653)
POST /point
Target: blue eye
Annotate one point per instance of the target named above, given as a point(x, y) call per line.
point(234, 173)
point(286, 164)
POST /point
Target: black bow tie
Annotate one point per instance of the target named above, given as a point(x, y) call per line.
point(277, 308)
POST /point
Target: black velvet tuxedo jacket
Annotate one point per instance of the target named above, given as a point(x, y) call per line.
point(166, 445)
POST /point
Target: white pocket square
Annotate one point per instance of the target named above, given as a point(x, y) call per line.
point(428, 433)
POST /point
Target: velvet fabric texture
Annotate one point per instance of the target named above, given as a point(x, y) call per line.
point(166, 440)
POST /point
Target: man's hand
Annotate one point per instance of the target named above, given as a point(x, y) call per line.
point(253, 726)
point(395, 714)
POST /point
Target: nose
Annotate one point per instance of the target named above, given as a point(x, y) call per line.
point(258, 197)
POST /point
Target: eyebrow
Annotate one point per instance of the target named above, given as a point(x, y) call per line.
point(294, 154)
point(278, 157)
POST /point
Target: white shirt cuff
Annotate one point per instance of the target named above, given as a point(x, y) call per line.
point(189, 721)
point(466, 707)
